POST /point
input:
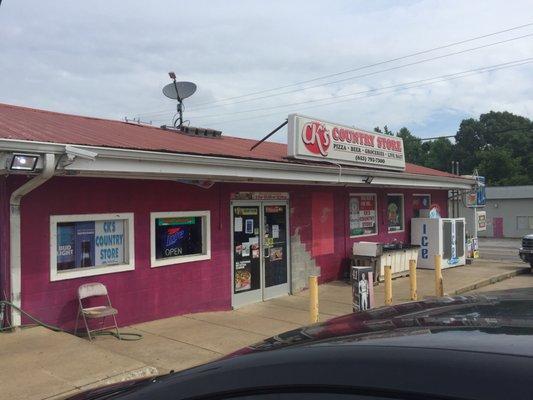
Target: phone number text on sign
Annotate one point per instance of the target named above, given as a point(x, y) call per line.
point(310, 138)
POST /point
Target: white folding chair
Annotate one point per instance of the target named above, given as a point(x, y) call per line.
point(91, 290)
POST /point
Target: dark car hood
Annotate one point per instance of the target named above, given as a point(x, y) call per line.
point(464, 324)
point(482, 322)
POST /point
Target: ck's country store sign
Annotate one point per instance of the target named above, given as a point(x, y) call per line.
point(316, 140)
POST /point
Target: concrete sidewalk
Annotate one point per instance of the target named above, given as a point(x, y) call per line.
point(39, 364)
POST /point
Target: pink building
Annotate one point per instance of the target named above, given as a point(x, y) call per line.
point(175, 222)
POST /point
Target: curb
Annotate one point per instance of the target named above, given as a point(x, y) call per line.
point(491, 280)
point(143, 372)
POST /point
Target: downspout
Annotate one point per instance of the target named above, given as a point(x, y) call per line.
point(14, 232)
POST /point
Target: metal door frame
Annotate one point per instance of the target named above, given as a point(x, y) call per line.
point(285, 288)
point(257, 295)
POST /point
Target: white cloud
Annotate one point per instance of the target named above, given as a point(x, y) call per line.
point(103, 58)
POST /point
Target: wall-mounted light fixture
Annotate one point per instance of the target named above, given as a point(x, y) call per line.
point(23, 162)
point(368, 179)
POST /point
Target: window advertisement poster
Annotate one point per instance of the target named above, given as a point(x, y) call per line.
point(66, 243)
point(395, 212)
point(246, 256)
point(363, 216)
point(109, 242)
point(84, 250)
point(75, 245)
point(178, 236)
point(420, 202)
point(90, 243)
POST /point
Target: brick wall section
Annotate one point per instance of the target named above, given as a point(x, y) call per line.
point(303, 264)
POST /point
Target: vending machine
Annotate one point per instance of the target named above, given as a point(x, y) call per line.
point(444, 236)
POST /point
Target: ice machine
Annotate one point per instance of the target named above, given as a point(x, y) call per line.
point(444, 236)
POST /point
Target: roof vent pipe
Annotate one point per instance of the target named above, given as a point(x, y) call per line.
point(14, 232)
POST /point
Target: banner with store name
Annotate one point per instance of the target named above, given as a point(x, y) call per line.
point(313, 139)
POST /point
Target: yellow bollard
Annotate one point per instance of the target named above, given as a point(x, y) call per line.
point(313, 299)
point(388, 285)
point(439, 284)
point(412, 279)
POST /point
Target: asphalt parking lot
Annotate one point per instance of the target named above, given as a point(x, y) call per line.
point(499, 249)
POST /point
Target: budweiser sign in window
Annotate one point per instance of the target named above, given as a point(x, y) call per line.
point(363, 215)
point(180, 237)
point(86, 244)
point(313, 139)
point(91, 244)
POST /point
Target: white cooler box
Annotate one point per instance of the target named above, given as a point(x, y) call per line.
point(444, 236)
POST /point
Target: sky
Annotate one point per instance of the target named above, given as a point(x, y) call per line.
point(110, 59)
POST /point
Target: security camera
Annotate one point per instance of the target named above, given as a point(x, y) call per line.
point(73, 152)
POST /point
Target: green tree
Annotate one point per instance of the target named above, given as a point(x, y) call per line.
point(500, 168)
point(469, 139)
point(385, 130)
point(414, 153)
point(439, 154)
point(498, 144)
point(493, 131)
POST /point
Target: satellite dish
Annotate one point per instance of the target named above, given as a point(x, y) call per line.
point(185, 89)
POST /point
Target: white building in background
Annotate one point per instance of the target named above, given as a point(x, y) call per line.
point(509, 212)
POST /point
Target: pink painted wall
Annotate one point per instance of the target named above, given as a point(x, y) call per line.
point(140, 295)
point(301, 215)
point(151, 293)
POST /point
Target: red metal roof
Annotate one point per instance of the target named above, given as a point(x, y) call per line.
point(22, 123)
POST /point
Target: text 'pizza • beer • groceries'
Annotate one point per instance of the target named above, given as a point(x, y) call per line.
point(310, 138)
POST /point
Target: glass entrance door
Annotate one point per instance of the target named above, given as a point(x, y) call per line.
point(275, 260)
point(260, 259)
point(247, 270)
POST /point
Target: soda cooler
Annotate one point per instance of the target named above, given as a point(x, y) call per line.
point(444, 236)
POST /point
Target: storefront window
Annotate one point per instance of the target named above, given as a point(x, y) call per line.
point(180, 237)
point(395, 214)
point(363, 215)
point(420, 202)
point(86, 245)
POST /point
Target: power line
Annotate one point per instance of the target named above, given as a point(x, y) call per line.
point(375, 64)
point(372, 65)
point(357, 76)
point(357, 68)
point(370, 73)
point(395, 88)
point(480, 69)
